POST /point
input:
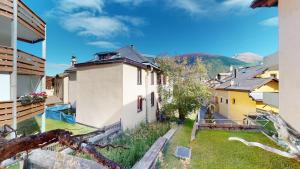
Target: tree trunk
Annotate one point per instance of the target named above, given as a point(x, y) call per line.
point(12, 147)
point(181, 115)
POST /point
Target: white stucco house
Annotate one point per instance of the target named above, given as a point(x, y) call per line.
point(114, 86)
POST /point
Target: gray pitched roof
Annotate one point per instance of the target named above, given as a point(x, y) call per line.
point(128, 54)
point(245, 79)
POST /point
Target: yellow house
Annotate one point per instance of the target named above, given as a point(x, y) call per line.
point(241, 93)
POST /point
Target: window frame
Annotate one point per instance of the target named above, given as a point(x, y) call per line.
point(139, 104)
point(152, 78)
point(152, 99)
point(139, 76)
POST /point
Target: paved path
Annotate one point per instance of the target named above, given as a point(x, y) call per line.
point(219, 118)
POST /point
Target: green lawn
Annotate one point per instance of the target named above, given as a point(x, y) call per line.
point(212, 150)
point(33, 125)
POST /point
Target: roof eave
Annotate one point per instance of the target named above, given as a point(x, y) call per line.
point(264, 3)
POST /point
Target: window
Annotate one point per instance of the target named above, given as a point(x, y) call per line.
point(139, 76)
point(221, 99)
point(226, 101)
point(233, 101)
point(152, 99)
point(274, 75)
point(152, 78)
point(139, 104)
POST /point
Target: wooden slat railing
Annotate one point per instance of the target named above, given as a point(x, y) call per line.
point(26, 17)
point(24, 111)
point(27, 64)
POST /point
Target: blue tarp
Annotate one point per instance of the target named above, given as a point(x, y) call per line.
point(55, 113)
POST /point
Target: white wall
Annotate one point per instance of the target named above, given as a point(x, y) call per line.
point(289, 59)
point(5, 87)
point(72, 85)
point(152, 88)
point(99, 94)
point(130, 117)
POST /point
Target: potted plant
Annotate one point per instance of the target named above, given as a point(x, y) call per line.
point(33, 98)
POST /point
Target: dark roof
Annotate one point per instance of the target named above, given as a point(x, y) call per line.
point(264, 3)
point(245, 79)
point(127, 54)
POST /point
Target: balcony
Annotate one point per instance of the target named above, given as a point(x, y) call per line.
point(24, 111)
point(271, 99)
point(31, 28)
point(27, 64)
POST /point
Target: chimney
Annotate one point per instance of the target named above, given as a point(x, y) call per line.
point(231, 68)
point(73, 61)
point(232, 83)
point(235, 72)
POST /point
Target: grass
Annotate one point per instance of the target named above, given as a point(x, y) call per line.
point(138, 142)
point(212, 150)
point(33, 125)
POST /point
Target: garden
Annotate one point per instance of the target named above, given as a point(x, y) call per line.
point(211, 149)
point(136, 142)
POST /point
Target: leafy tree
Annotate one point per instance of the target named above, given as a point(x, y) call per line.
point(186, 91)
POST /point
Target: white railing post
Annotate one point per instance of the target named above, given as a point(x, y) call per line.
point(44, 54)
point(13, 83)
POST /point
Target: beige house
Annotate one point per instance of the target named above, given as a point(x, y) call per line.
point(289, 40)
point(121, 85)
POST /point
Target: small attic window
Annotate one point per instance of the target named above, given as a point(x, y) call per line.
point(233, 101)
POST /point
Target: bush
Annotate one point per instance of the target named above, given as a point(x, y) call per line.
point(138, 142)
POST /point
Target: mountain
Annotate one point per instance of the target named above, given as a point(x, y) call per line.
point(214, 63)
point(249, 57)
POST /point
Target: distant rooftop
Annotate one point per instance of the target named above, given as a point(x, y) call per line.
point(245, 79)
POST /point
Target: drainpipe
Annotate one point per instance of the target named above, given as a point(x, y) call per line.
point(146, 85)
point(14, 36)
point(44, 54)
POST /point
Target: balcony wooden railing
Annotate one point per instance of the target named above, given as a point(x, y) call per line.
point(26, 17)
point(24, 111)
point(27, 64)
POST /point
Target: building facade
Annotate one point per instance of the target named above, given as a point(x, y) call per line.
point(241, 93)
point(115, 86)
point(289, 40)
point(21, 73)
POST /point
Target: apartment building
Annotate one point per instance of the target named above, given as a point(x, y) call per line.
point(21, 73)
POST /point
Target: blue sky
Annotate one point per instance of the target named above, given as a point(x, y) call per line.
point(84, 27)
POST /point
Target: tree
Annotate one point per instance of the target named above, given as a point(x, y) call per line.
point(186, 91)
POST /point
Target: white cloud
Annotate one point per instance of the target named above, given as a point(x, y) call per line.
point(71, 5)
point(86, 24)
point(273, 22)
point(88, 18)
point(136, 21)
point(104, 44)
point(213, 7)
point(191, 6)
point(57, 66)
point(237, 3)
point(130, 2)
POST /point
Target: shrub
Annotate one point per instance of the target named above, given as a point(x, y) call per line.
point(138, 142)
